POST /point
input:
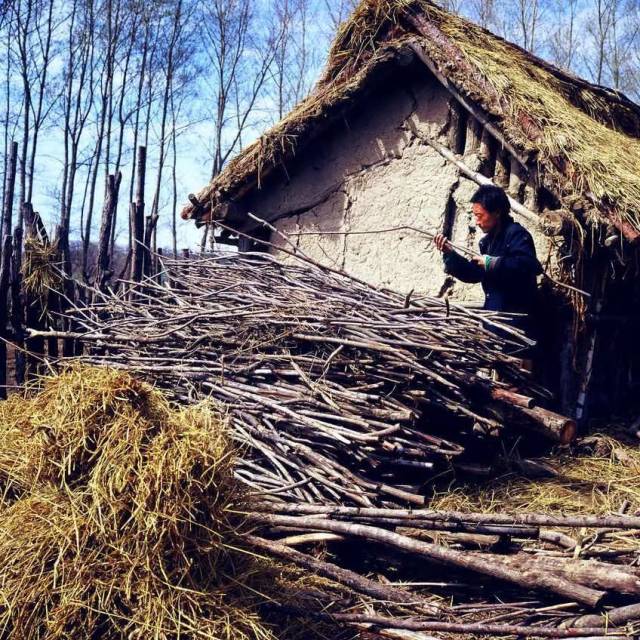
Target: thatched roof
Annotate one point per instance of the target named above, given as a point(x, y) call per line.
point(583, 138)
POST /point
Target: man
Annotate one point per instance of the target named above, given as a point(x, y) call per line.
point(508, 265)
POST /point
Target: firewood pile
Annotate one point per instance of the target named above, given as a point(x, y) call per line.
point(345, 401)
point(333, 387)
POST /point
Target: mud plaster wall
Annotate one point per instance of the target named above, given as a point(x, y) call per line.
point(371, 174)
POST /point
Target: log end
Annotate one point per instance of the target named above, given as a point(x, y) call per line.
point(568, 432)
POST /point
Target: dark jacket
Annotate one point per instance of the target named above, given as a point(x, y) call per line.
point(510, 282)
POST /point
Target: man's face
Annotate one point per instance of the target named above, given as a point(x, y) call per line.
point(484, 219)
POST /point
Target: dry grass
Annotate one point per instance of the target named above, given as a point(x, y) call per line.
point(601, 480)
point(40, 267)
point(120, 519)
point(576, 130)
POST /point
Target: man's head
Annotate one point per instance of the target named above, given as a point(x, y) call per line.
point(490, 207)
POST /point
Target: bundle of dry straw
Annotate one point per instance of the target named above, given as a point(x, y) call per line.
point(119, 518)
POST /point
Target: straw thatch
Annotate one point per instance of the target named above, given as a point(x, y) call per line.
point(120, 519)
point(583, 139)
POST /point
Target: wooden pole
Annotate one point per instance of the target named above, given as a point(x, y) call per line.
point(5, 262)
point(474, 131)
point(534, 519)
point(502, 169)
point(529, 579)
point(10, 184)
point(35, 305)
point(17, 307)
point(516, 181)
point(457, 127)
point(137, 218)
point(5, 268)
point(488, 154)
point(103, 271)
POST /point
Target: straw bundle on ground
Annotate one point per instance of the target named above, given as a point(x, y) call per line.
point(119, 519)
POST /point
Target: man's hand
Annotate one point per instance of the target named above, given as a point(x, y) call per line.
point(442, 243)
point(479, 260)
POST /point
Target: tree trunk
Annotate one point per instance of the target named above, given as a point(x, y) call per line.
point(137, 219)
point(103, 270)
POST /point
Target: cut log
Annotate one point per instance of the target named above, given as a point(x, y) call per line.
point(590, 573)
point(511, 397)
point(614, 617)
point(529, 578)
point(548, 423)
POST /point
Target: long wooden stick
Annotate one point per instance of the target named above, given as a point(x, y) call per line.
point(475, 629)
point(534, 519)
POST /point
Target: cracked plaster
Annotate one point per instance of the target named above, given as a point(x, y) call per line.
point(379, 177)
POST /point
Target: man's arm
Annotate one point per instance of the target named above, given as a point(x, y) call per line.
point(461, 268)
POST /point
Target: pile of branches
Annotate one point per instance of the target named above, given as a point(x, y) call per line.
point(339, 393)
point(344, 400)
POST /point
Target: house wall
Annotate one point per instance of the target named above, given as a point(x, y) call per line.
point(371, 174)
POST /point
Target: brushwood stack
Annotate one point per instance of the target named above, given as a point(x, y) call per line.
point(338, 392)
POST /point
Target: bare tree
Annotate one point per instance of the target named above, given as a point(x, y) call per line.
point(599, 27)
point(483, 12)
point(176, 30)
point(39, 111)
point(564, 33)
point(7, 105)
point(291, 54)
point(77, 102)
point(240, 63)
point(529, 16)
point(623, 41)
point(109, 21)
point(34, 25)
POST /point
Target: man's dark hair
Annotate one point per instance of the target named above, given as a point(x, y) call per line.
point(493, 199)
